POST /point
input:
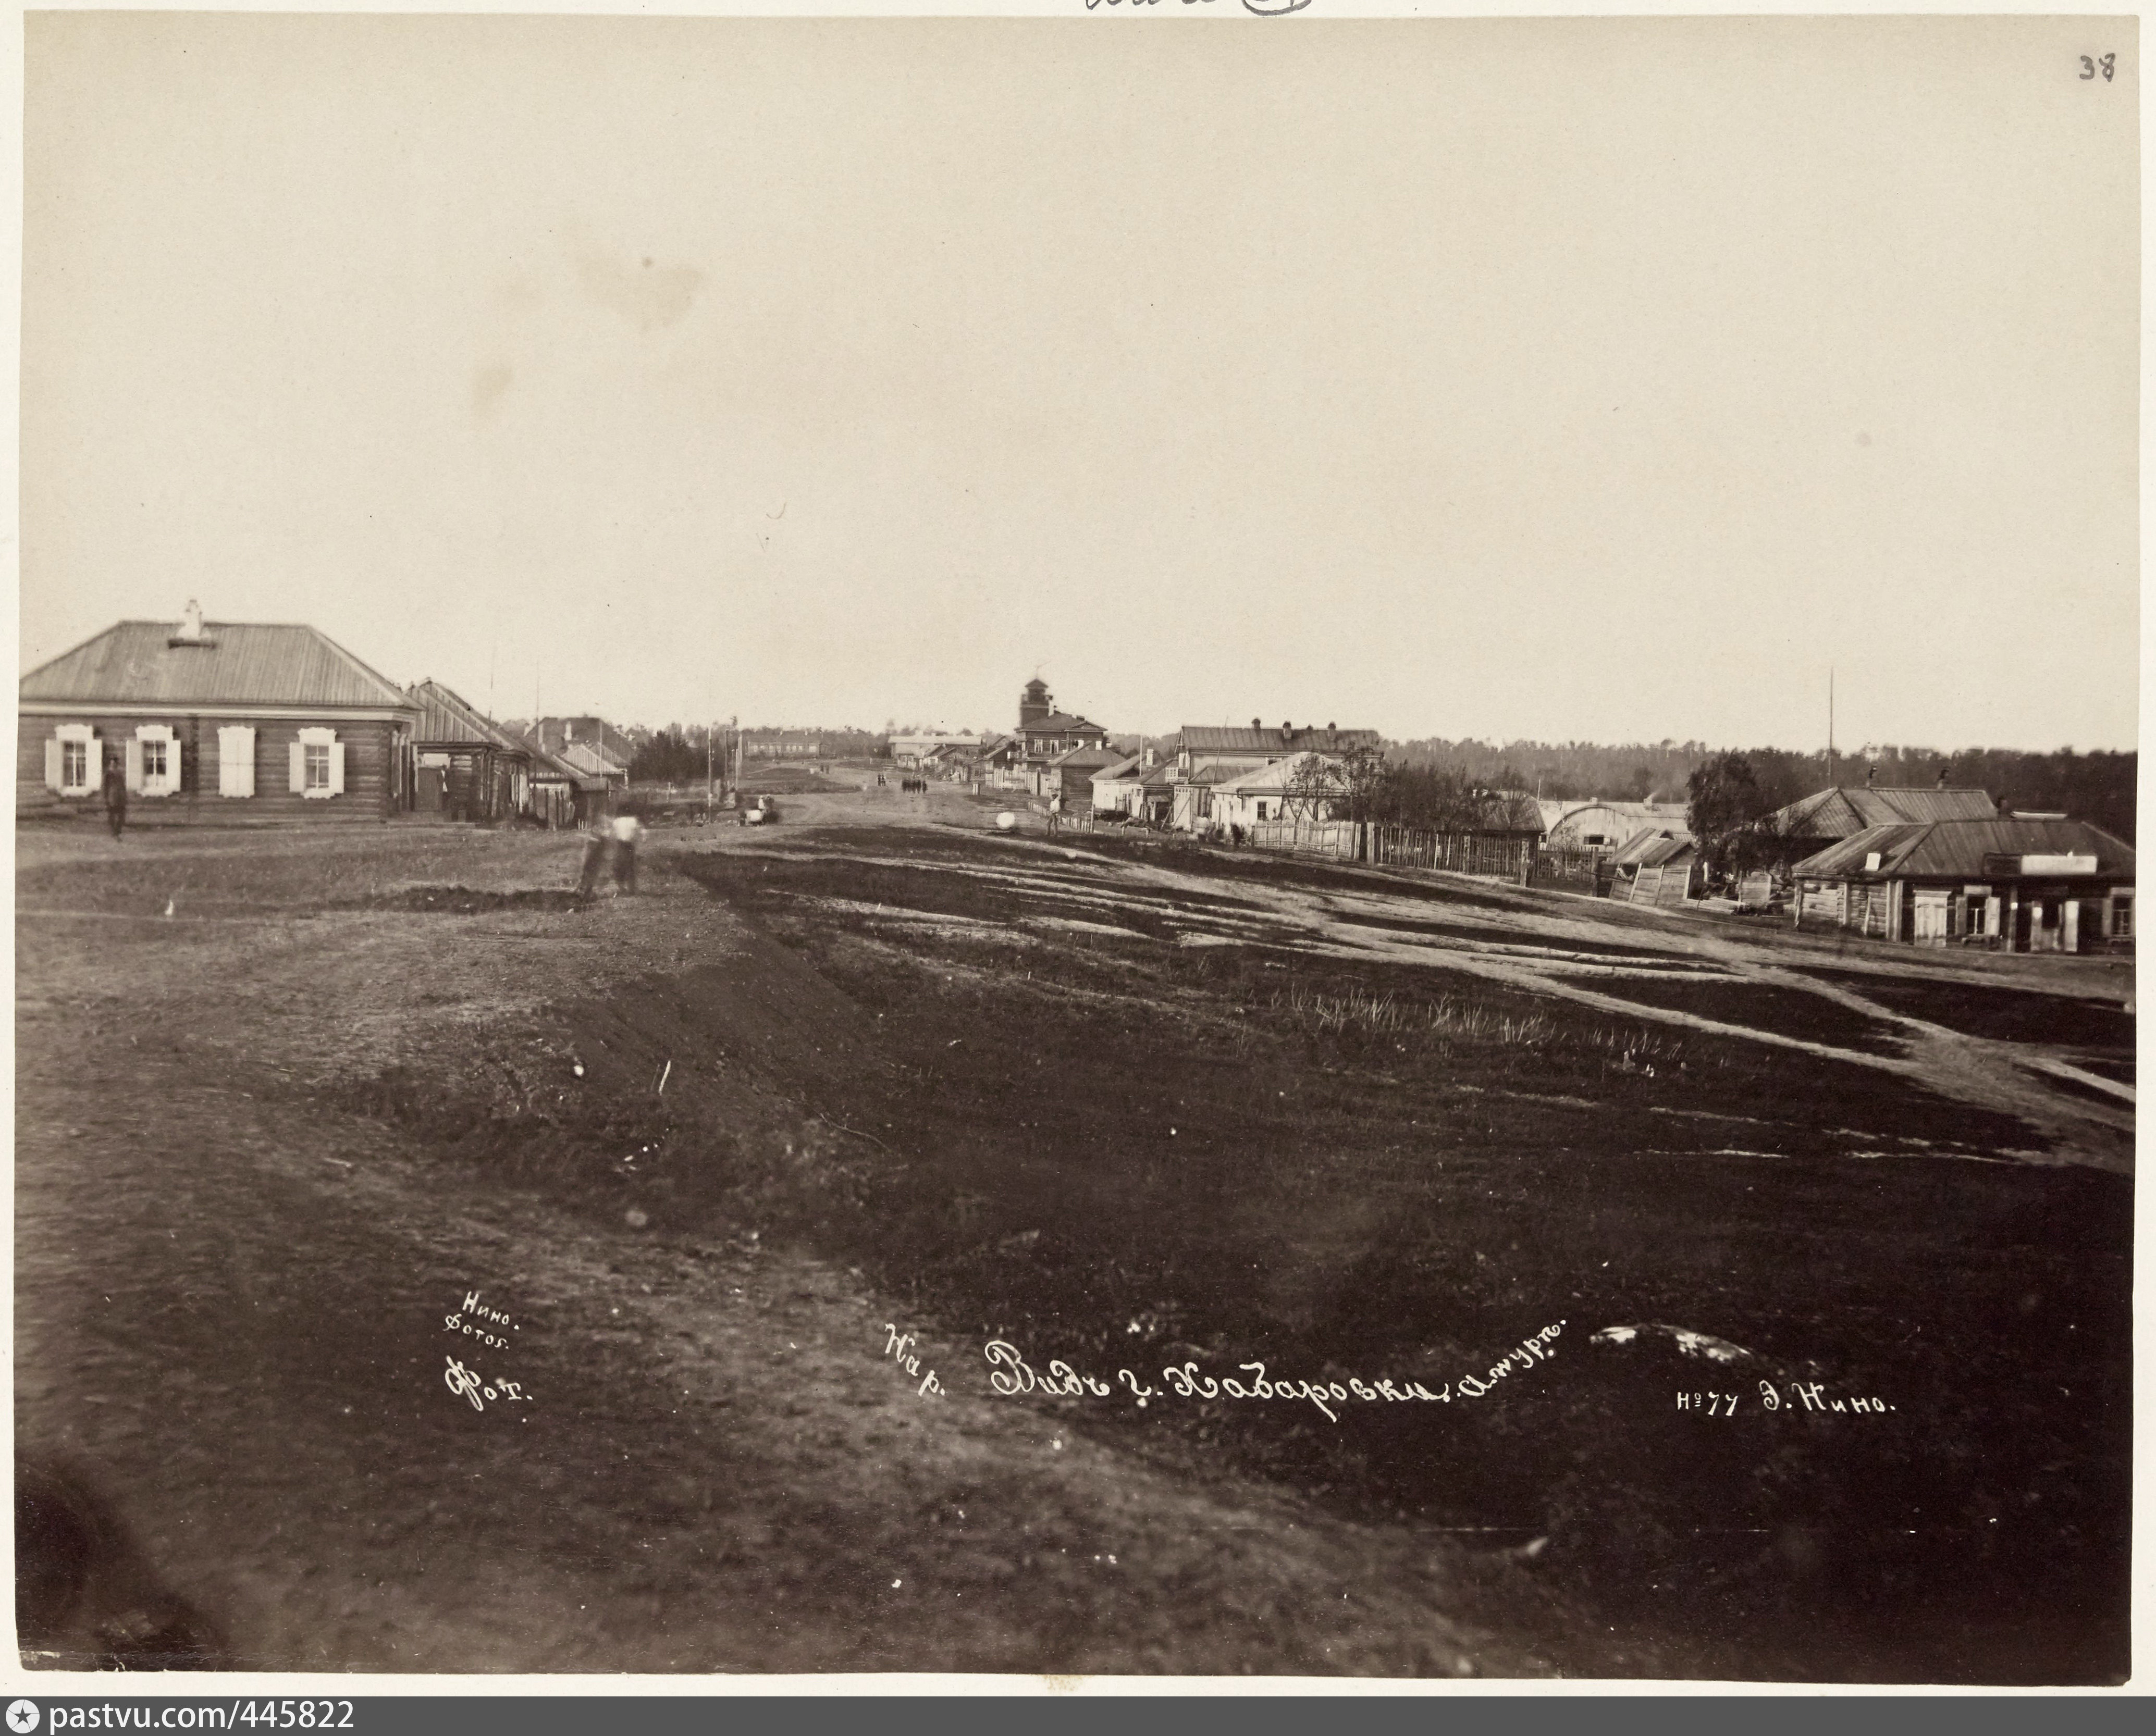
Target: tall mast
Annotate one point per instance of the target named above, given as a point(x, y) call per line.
point(1829, 726)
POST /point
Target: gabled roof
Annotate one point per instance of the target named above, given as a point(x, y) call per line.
point(1843, 812)
point(1159, 775)
point(1079, 759)
point(1650, 849)
point(1126, 767)
point(582, 756)
point(233, 664)
point(1956, 849)
point(1059, 723)
point(445, 716)
point(1214, 738)
point(1267, 779)
point(554, 734)
point(548, 766)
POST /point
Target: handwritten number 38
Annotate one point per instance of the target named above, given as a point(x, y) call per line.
point(2105, 64)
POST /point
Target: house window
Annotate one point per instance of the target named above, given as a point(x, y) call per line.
point(2122, 918)
point(153, 760)
point(75, 764)
point(317, 764)
point(1261, 811)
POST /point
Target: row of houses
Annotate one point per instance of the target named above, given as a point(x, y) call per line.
point(1930, 867)
point(239, 721)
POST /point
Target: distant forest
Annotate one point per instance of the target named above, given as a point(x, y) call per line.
point(2095, 786)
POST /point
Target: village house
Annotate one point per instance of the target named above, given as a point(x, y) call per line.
point(1804, 828)
point(1070, 776)
point(1116, 787)
point(1046, 734)
point(1269, 794)
point(215, 722)
point(1001, 761)
point(1156, 796)
point(2020, 882)
point(561, 797)
point(1233, 751)
point(551, 734)
point(467, 767)
point(591, 762)
point(916, 749)
point(1192, 796)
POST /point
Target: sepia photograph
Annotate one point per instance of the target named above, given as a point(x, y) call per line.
point(1189, 842)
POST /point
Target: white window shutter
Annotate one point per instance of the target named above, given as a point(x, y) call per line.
point(53, 765)
point(134, 749)
point(235, 759)
point(299, 761)
point(336, 768)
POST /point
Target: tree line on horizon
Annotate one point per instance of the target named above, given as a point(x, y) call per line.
point(2097, 786)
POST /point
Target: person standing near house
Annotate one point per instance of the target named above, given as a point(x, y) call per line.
point(115, 795)
point(627, 831)
point(1055, 812)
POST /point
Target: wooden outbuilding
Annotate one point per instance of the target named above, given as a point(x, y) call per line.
point(466, 767)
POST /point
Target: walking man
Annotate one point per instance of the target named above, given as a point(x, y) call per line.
point(115, 795)
point(1055, 812)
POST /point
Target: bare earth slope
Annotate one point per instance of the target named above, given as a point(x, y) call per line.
point(872, 1072)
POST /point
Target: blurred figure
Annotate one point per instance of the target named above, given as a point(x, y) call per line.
point(597, 847)
point(115, 795)
point(84, 1598)
point(628, 832)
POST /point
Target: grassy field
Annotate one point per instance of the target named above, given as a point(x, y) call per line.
point(1120, 1108)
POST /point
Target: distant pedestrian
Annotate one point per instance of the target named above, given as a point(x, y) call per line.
point(628, 833)
point(1056, 813)
point(115, 795)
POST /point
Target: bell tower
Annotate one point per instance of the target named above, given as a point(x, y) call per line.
point(1034, 703)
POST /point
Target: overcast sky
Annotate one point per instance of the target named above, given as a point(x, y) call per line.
point(1606, 380)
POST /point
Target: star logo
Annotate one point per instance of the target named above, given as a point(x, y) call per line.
point(23, 1717)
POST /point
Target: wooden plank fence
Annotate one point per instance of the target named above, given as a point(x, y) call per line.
point(1457, 852)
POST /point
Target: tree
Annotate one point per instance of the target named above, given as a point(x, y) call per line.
point(1726, 804)
point(1314, 790)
